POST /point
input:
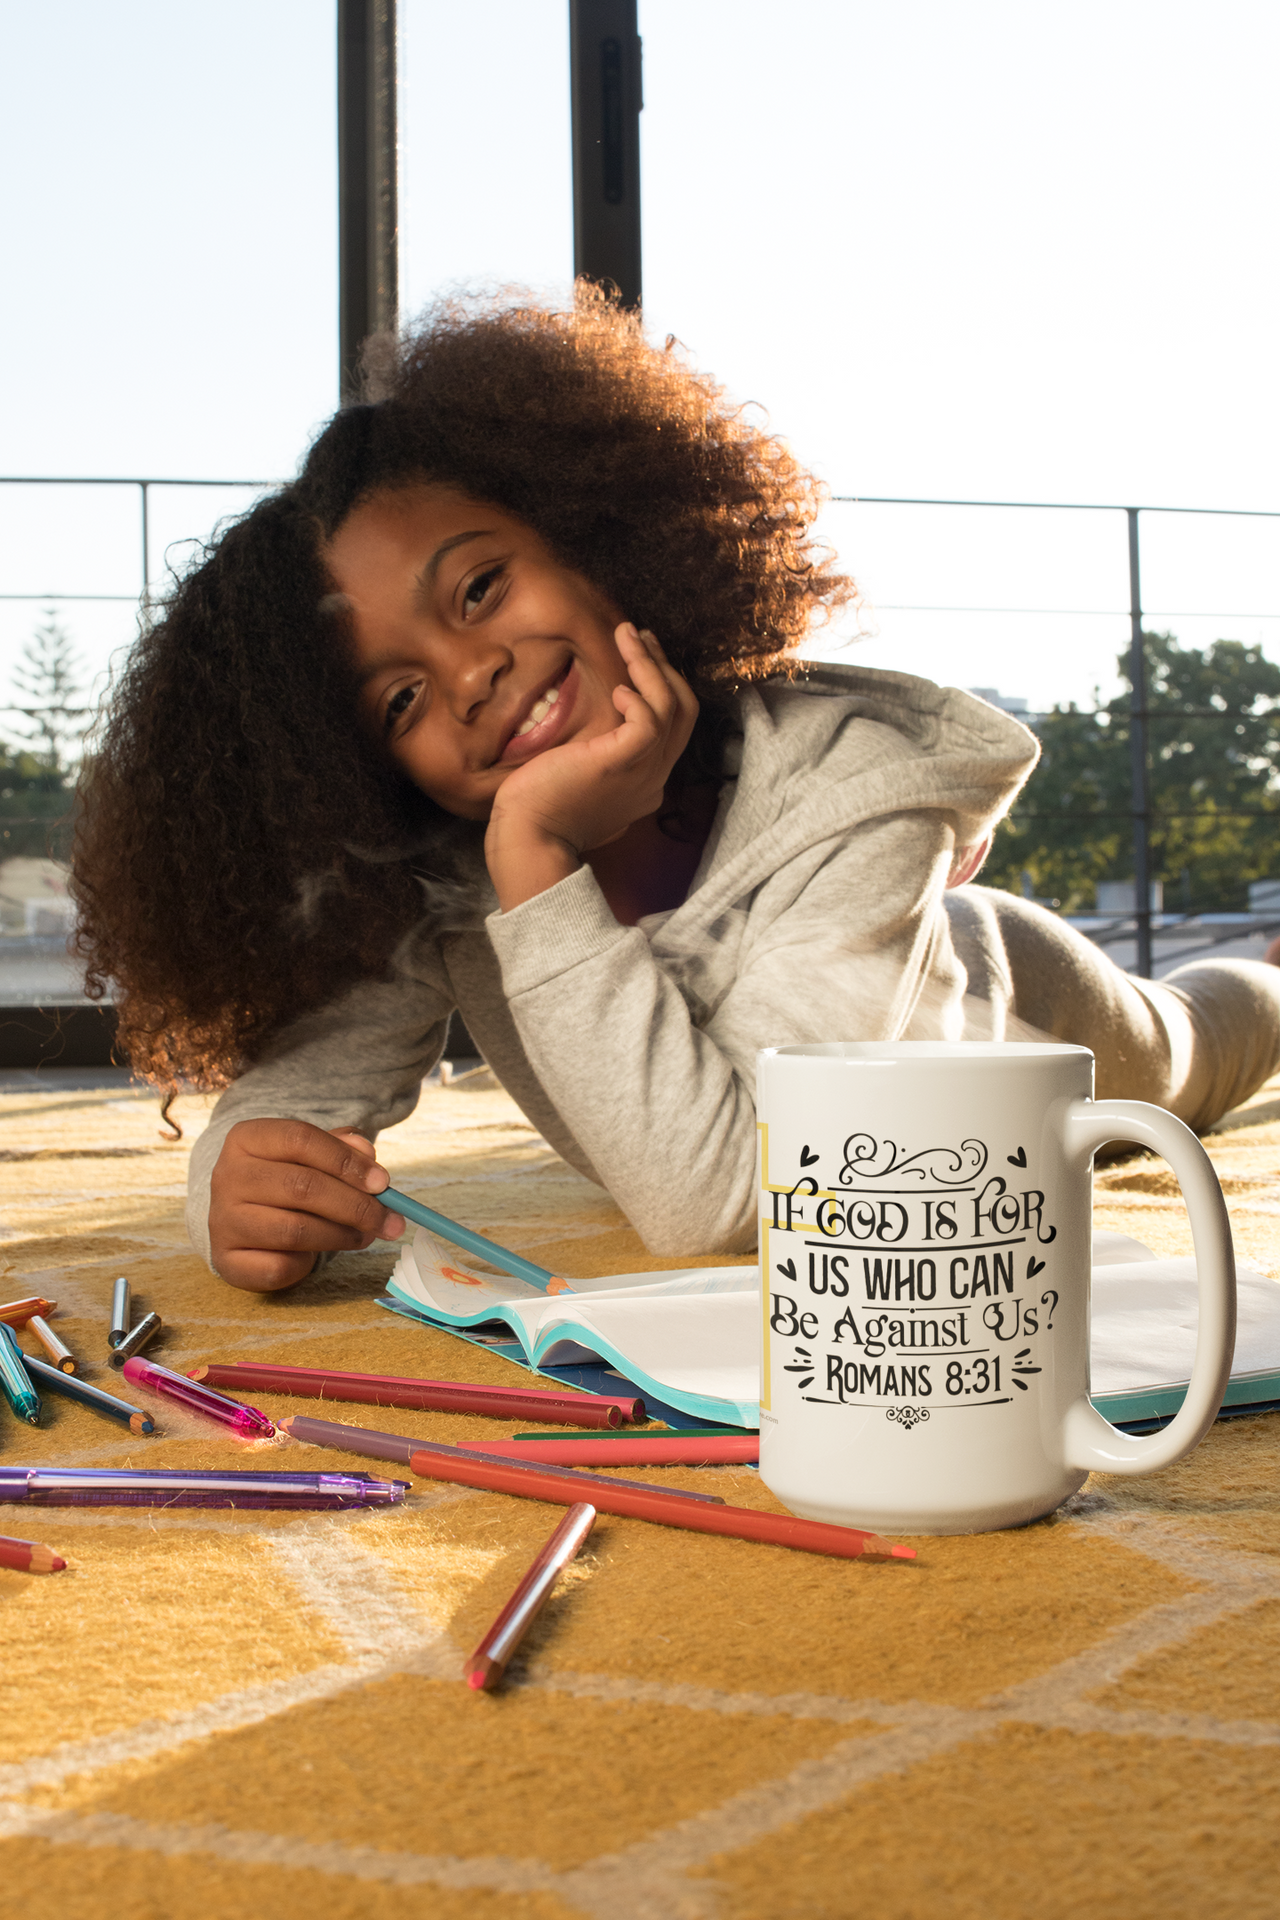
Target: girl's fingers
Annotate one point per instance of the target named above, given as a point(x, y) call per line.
point(666, 691)
point(259, 1272)
point(364, 1147)
point(273, 1229)
point(312, 1195)
point(344, 1154)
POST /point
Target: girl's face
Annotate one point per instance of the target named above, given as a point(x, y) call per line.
point(475, 649)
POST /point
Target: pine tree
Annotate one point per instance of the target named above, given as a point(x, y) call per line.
point(50, 689)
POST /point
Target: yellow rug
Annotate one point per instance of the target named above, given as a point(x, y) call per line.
point(217, 1714)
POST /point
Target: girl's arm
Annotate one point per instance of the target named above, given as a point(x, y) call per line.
point(285, 1169)
point(652, 1066)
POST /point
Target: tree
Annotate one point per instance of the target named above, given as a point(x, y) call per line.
point(51, 692)
point(1214, 755)
point(36, 771)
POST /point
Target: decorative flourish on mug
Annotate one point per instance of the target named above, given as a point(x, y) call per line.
point(1020, 1359)
point(907, 1417)
point(807, 1159)
point(1018, 1159)
point(803, 1365)
point(949, 1166)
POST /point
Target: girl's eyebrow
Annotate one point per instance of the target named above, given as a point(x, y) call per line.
point(426, 579)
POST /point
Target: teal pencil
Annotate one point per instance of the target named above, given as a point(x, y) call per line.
point(513, 1263)
point(15, 1379)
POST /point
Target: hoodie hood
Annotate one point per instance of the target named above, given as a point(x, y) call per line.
point(843, 744)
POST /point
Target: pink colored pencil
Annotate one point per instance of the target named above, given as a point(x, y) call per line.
point(636, 1450)
point(436, 1396)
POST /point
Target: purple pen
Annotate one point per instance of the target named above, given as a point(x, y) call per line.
point(247, 1422)
point(123, 1487)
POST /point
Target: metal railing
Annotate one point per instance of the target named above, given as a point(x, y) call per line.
point(1140, 712)
point(1140, 812)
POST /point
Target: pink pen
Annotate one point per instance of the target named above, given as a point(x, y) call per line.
point(242, 1420)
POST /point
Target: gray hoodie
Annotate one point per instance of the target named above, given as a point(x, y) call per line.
point(816, 913)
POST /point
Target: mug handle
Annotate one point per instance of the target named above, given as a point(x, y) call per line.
point(1089, 1440)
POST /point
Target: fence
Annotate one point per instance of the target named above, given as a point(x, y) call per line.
point(1140, 811)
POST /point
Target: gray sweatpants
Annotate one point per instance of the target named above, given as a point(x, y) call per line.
point(1197, 1042)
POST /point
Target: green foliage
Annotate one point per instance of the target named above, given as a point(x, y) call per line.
point(35, 808)
point(1215, 786)
point(37, 771)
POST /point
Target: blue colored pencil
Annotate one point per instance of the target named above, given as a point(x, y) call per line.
point(513, 1263)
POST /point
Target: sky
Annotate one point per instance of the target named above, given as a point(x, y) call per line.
point(992, 251)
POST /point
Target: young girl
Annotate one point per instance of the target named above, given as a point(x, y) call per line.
point(496, 708)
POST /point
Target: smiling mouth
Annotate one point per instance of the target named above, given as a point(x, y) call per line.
point(543, 721)
point(537, 713)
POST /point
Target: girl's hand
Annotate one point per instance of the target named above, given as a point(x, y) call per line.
point(586, 793)
point(283, 1192)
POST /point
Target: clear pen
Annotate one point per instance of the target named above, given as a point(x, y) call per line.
point(247, 1422)
point(15, 1380)
point(127, 1487)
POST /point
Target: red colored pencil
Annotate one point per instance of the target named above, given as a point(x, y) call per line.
point(27, 1556)
point(16, 1313)
point(636, 1450)
point(437, 1396)
point(489, 1661)
point(667, 1509)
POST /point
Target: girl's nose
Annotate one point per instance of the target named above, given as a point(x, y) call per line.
point(471, 672)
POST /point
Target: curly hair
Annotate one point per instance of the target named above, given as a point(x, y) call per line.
point(242, 854)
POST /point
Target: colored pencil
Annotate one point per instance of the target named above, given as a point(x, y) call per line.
point(15, 1381)
point(71, 1387)
point(27, 1556)
point(398, 1446)
point(60, 1354)
point(513, 1263)
point(635, 1450)
point(135, 1340)
point(668, 1506)
point(489, 1661)
point(16, 1313)
point(435, 1396)
point(119, 1312)
point(649, 1433)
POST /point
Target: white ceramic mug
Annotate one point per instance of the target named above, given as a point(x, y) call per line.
point(925, 1238)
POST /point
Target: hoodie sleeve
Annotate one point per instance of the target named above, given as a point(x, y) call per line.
point(358, 1062)
point(658, 1081)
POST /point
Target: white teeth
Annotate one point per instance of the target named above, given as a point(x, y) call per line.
point(538, 712)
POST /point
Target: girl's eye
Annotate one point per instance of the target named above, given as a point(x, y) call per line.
point(478, 589)
point(397, 706)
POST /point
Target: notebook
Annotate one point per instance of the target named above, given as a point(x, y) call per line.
point(689, 1342)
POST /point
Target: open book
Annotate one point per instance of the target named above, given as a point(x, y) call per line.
point(689, 1342)
point(1144, 1335)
